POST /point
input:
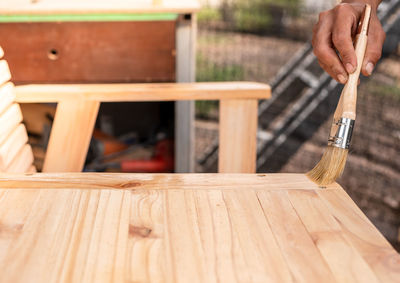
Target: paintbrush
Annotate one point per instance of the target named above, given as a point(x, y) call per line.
point(333, 161)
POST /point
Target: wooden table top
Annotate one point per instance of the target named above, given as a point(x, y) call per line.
point(186, 228)
point(40, 7)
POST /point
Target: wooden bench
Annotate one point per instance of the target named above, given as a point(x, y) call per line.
point(77, 109)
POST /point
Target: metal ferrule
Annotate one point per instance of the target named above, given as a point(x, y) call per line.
point(342, 130)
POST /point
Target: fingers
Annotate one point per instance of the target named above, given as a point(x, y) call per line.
point(376, 38)
point(345, 25)
point(335, 31)
point(323, 48)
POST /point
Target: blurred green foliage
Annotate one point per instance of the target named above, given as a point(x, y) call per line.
point(262, 15)
point(208, 14)
point(205, 108)
point(255, 16)
point(207, 71)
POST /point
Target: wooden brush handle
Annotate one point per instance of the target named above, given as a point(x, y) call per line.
point(348, 99)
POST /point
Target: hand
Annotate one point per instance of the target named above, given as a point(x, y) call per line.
point(335, 30)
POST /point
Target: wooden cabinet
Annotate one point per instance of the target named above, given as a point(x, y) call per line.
point(90, 52)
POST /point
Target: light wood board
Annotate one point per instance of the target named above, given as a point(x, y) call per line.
point(15, 155)
point(237, 136)
point(186, 228)
point(70, 136)
point(142, 92)
point(44, 7)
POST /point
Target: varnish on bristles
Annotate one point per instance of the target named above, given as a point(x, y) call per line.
point(330, 167)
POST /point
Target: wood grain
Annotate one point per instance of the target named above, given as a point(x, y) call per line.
point(7, 96)
point(13, 136)
point(5, 74)
point(328, 237)
point(253, 231)
point(10, 148)
point(293, 239)
point(9, 120)
point(70, 136)
point(359, 232)
point(22, 162)
point(40, 7)
point(238, 136)
point(142, 92)
point(123, 181)
point(185, 228)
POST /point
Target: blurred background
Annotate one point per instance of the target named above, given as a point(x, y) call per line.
point(268, 41)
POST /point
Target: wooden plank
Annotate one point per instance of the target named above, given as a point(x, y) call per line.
point(14, 210)
point(225, 250)
point(22, 162)
point(146, 246)
point(9, 121)
point(293, 239)
point(13, 144)
point(85, 213)
point(237, 136)
point(264, 259)
point(187, 264)
point(55, 214)
point(70, 136)
point(73, 232)
point(7, 96)
point(90, 52)
point(40, 7)
point(125, 181)
point(327, 236)
point(100, 257)
point(5, 74)
point(142, 92)
point(361, 234)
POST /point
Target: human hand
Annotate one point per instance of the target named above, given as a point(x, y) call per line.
point(336, 29)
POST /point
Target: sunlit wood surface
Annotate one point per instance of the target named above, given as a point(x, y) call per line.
point(40, 7)
point(186, 228)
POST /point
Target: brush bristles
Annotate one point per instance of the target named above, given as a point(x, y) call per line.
point(330, 167)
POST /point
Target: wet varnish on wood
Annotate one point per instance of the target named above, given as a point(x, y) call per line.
point(186, 228)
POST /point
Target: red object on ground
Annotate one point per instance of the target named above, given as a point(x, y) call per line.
point(163, 160)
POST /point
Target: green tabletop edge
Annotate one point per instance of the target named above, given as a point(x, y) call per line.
point(88, 18)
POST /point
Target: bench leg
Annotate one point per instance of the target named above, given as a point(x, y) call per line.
point(237, 136)
point(70, 136)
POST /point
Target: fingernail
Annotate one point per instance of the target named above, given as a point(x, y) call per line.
point(349, 68)
point(342, 79)
point(369, 68)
